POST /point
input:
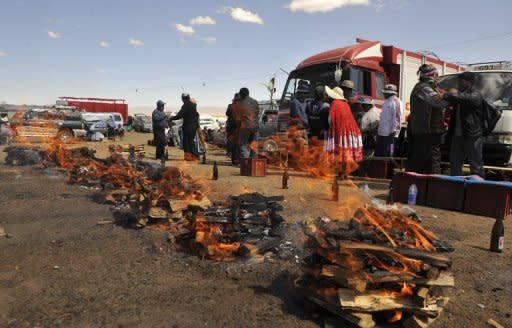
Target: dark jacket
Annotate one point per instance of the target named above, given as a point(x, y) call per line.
point(189, 114)
point(318, 117)
point(159, 120)
point(427, 114)
point(249, 109)
point(230, 123)
point(470, 103)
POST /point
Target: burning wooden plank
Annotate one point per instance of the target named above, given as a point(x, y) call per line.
point(381, 263)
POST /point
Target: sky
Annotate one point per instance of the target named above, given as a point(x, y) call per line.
point(143, 51)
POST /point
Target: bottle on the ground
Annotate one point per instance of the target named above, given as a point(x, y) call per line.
point(498, 235)
point(215, 171)
point(286, 177)
point(413, 192)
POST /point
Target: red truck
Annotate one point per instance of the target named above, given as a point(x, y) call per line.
point(369, 64)
point(99, 105)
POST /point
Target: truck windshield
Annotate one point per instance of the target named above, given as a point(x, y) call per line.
point(495, 87)
point(316, 75)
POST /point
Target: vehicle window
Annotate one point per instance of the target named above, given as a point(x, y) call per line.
point(118, 118)
point(317, 75)
point(379, 84)
point(495, 87)
point(362, 80)
point(292, 87)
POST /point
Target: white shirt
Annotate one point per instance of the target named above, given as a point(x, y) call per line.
point(370, 120)
point(391, 116)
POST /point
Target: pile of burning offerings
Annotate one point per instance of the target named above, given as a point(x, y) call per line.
point(380, 267)
point(152, 192)
point(245, 225)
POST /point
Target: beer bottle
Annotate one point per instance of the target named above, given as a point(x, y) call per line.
point(390, 200)
point(498, 235)
point(335, 189)
point(215, 171)
point(285, 178)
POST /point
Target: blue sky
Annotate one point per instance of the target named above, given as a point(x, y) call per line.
point(54, 48)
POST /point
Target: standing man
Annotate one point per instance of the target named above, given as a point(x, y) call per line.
point(466, 126)
point(369, 124)
point(159, 125)
point(317, 112)
point(426, 123)
point(348, 89)
point(298, 115)
point(231, 130)
point(190, 116)
point(389, 123)
point(249, 110)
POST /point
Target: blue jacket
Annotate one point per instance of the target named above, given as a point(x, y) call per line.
point(159, 120)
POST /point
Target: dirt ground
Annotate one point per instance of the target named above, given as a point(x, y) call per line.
point(60, 269)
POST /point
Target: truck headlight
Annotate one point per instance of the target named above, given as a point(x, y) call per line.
point(505, 139)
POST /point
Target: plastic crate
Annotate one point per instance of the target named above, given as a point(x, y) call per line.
point(401, 181)
point(253, 167)
point(487, 199)
point(446, 192)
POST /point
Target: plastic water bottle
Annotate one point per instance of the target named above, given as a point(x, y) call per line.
point(413, 191)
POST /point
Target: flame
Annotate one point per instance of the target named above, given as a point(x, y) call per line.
point(412, 234)
point(397, 316)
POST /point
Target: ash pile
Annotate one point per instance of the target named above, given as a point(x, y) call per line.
point(380, 268)
point(248, 225)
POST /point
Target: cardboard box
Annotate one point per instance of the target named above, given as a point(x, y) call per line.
point(253, 167)
point(487, 199)
point(446, 192)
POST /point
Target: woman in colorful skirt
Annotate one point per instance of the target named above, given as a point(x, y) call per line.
point(344, 143)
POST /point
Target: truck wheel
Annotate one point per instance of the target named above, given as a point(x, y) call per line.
point(65, 135)
point(270, 146)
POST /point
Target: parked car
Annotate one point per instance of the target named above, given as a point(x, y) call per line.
point(208, 122)
point(104, 123)
point(142, 123)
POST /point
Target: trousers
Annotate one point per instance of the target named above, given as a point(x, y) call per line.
point(425, 154)
point(470, 148)
point(159, 141)
point(385, 146)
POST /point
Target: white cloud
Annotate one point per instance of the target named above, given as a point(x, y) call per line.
point(202, 20)
point(104, 44)
point(135, 42)
point(3, 54)
point(210, 39)
point(187, 30)
point(54, 35)
point(314, 6)
point(242, 15)
point(102, 71)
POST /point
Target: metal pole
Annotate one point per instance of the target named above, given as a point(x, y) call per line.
point(402, 77)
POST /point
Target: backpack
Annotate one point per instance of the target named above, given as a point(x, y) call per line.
point(491, 116)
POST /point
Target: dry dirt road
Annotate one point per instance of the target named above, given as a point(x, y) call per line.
point(60, 269)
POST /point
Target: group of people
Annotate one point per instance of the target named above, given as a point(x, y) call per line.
point(242, 126)
point(428, 129)
point(188, 113)
point(348, 130)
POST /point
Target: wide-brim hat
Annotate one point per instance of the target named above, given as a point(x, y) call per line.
point(336, 93)
point(347, 84)
point(390, 89)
